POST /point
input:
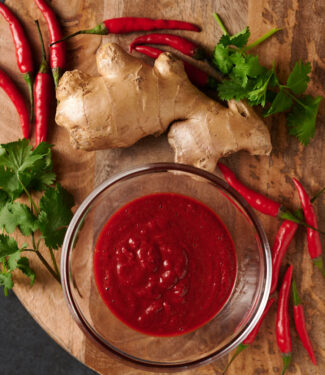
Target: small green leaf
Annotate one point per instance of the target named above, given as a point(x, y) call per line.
point(258, 94)
point(55, 215)
point(18, 156)
point(298, 78)
point(302, 120)
point(8, 245)
point(240, 39)
point(232, 89)
point(6, 280)
point(280, 103)
point(221, 59)
point(23, 266)
point(13, 215)
point(12, 260)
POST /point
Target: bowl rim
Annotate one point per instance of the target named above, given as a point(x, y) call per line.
point(94, 336)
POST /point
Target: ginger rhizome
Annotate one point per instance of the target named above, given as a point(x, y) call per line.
point(131, 99)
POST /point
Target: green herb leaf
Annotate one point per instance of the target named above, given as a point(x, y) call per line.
point(232, 89)
point(221, 58)
point(302, 120)
point(24, 267)
point(258, 94)
point(298, 78)
point(13, 215)
point(8, 245)
point(18, 156)
point(281, 103)
point(55, 215)
point(238, 40)
point(6, 280)
point(20, 164)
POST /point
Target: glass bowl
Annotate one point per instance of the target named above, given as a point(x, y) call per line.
point(209, 342)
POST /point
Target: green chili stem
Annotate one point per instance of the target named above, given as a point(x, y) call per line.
point(261, 39)
point(220, 23)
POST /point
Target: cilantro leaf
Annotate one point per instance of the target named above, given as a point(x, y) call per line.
point(21, 165)
point(246, 66)
point(55, 215)
point(221, 58)
point(240, 39)
point(8, 245)
point(281, 103)
point(24, 267)
point(18, 156)
point(12, 260)
point(302, 120)
point(298, 78)
point(42, 174)
point(258, 94)
point(232, 89)
point(13, 215)
point(6, 281)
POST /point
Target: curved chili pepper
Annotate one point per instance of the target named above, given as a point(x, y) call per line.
point(58, 52)
point(43, 96)
point(18, 100)
point(197, 76)
point(282, 331)
point(261, 203)
point(251, 337)
point(314, 243)
point(23, 50)
point(300, 323)
point(175, 41)
point(124, 25)
point(282, 240)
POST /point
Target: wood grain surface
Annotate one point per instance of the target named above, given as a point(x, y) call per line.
point(302, 37)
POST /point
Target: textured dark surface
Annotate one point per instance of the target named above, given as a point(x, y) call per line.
point(25, 349)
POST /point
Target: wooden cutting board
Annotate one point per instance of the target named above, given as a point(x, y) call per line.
point(302, 38)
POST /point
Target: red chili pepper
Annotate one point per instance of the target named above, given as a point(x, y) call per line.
point(43, 96)
point(197, 76)
point(283, 337)
point(282, 240)
point(58, 52)
point(178, 42)
point(300, 323)
point(18, 100)
point(258, 201)
point(124, 25)
point(251, 337)
point(314, 243)
point(23, 50)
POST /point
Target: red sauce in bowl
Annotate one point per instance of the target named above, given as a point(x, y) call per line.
point(165, 264)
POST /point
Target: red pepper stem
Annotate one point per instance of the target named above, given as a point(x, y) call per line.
point(56, 72)
point(318, 262)
point(287, 215)
point(100, 29)
point(44, 68)
point(29, 80)
point(286, 362)
point(239, 349)
point(295, 295)
point(317, 195)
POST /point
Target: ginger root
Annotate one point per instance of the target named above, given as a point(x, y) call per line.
point(130, 100)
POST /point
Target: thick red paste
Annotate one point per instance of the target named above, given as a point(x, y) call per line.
point(165, 264)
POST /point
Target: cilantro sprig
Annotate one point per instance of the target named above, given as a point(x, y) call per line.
point(23, 171)
point(246, 78)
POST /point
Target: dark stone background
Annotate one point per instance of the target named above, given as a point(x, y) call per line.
point(25, 349)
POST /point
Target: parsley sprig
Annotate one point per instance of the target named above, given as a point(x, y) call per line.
point(23, 171)
point(246, 78)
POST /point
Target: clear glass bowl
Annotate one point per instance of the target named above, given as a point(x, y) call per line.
point(206, 344)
